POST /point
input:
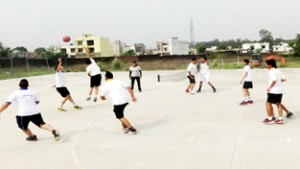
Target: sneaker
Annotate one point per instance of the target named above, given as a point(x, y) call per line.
point(32, 138)
point(199, 90)
point(133, 130)
point(56, 134)
point(250, 102)
point(267, 121)
point(95, 99)
point(77, 107)
point(289, 114)
point(187, 90)
point(88, 99)
point(279, 121)
point(243, 103)
point(140, 90)
point(61, 109)
point(193, 92)
point(214, 90)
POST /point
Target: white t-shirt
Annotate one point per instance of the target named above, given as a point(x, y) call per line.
point(247, 70)
point(276, 75)
point(60, 79)
point(135, 71)
point(93, 69)
point(26, 101)
point(204, 68)
point(192, 68)
point(117, 90)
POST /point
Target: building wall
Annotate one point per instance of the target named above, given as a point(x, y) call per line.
point(264, 47)
point(177, 47)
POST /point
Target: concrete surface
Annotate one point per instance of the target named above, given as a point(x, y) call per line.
point(176, 130)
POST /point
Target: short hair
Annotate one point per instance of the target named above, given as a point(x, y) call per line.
point(109, 75)
point(193, 59)
point(246, 61)
point(88, 61)
point(271, 62)
point(24, 83)
point(134, 61)
point(204, 57)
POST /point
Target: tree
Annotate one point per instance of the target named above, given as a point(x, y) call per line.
point(40, 50)
point(266, 36)
point(4, 52)
point(200, 48)
point(129, 53)
point(295, 44)
point(20, 49)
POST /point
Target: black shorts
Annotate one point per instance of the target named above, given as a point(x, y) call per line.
point(192, 80)
point(247, 85)
point(23, 121)
point(119, 110)
point(63, 91)
point(95, 80)
point(274, 98)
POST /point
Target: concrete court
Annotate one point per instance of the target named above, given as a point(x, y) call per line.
point(176, 130)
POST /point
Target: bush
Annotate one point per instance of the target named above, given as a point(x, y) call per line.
point(116, 64)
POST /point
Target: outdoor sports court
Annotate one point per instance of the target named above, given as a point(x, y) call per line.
point(175, 130)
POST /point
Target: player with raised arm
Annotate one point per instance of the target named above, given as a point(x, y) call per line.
point(61, 86)
point(94, 72)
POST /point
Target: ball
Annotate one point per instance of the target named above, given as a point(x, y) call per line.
point(66, 39)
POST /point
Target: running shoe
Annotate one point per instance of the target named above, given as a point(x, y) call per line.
point(77, 107)
point(95, 99)
point(267, 121)
point(199, 90)
point(243, 103)
point(250, 102)
point(214, 90)
point(56, 135)
point(132, 130)
point(61, 109)
point(193, 92)
point(279, 121)
point(187, 90)
point(289, 114)
point(32, 138)
point(88, 99)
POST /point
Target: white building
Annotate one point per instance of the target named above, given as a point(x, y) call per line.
point(178, 47)
point(282, 47)
point(117, 48)
point(173, 47)
point(212, 49)
point(263, 47)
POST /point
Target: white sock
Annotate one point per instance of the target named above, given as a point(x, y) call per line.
point(270, 118)
point(280, 118)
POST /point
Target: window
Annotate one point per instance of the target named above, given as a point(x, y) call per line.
point(92, 50)
point(80, 50)
point(90, 42)
point(72, 50)
point(79, 43)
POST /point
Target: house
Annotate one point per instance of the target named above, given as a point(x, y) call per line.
point(257, 47)
point(282, 47)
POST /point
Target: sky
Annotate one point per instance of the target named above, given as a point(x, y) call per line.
point(42, 23)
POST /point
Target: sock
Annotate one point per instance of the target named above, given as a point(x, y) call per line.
point(280, 118)
point(249, 98)
point(60, 106)
point(269, 118)
point(74, 103)
point(245, 99)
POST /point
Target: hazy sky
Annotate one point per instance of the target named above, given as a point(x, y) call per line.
point(41, 23)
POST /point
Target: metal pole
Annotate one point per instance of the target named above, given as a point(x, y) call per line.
point(47, 61)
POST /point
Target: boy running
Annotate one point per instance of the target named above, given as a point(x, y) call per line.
point(61, 87)
point(205, 74)
point(135, 73)
point(275, 93)
point(118, 92)
point(28, 112)
point(94, 72)
point(191, 72)
point(247, 83)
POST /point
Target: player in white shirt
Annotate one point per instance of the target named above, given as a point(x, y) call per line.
point(191, 72)
point(28, 112)
point(118, 92)
point(61, 87)
point(275, 92)
point(205, 74)
point(94, 72)
point(135, 74)
point(247, 83)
